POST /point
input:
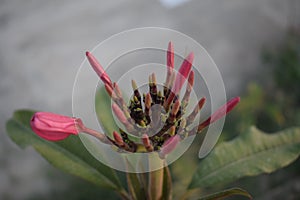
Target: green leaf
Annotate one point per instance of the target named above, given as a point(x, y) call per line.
point(250, 154)
point(69, 155)
point(227, 193)
point(104, 112)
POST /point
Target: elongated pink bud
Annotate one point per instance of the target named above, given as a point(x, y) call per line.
point(170, 65)
point(54, 127)
point(176, 107)
point(186, 97)
point(117, 90)
point(198, 107)
point(119, 113)
point(109, 89)
point(169, 146)
point(222, 111)
point(201, 103)
point(98, 68)
point(180, 78)
point(147, 143)
point(183, 72)
point(148, 101)
point(191, 79)
point(118, 139)
point(170, 55)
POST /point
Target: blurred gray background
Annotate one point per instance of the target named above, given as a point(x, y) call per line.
point(42, 45)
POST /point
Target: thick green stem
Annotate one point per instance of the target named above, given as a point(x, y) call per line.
point(135, 186)
point(156, 179)
point(167, 186)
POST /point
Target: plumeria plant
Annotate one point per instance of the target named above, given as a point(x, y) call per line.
point(155, 122)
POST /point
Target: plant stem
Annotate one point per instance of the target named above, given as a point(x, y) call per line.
point(96, 134)
point(124, 195)
point(167, 185)
point(156, 181)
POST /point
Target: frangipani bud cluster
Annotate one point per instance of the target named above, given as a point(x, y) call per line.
point(157, 117)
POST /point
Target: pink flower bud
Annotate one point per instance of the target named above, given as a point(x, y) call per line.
point(54, 127)
point(183, 72)
point(176, 107)
point(119, 113)
point(169, 146)
point(147, 143)
point(118, 139)
point(191, 78)
point(222, 111)
point(98, 68)
point(170, 56)
point(146, 140)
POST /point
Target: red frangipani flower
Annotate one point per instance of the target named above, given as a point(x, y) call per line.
point(54, 127)
point(160, 123)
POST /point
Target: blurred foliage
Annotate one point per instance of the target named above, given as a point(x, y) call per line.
point(286, 67)
point(274, 105)
point(71, 187)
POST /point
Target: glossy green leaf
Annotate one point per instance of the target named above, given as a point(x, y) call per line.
point(68, 155)
point(226, 193)
point(104, 112)
point(249, 154)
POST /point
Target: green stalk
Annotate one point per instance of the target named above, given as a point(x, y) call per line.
point(135, 187)
point(156, 180)
point(167, 186)
point(123, 194)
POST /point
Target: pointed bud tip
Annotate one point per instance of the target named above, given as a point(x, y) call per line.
point(190, 57)
point(170, 56)
point(134, 85)
point(87, 53)
point(201, 102)
point(222, 111)
point(232, 103)
point(170, 46)
point(237, 99)
point(191, 77)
